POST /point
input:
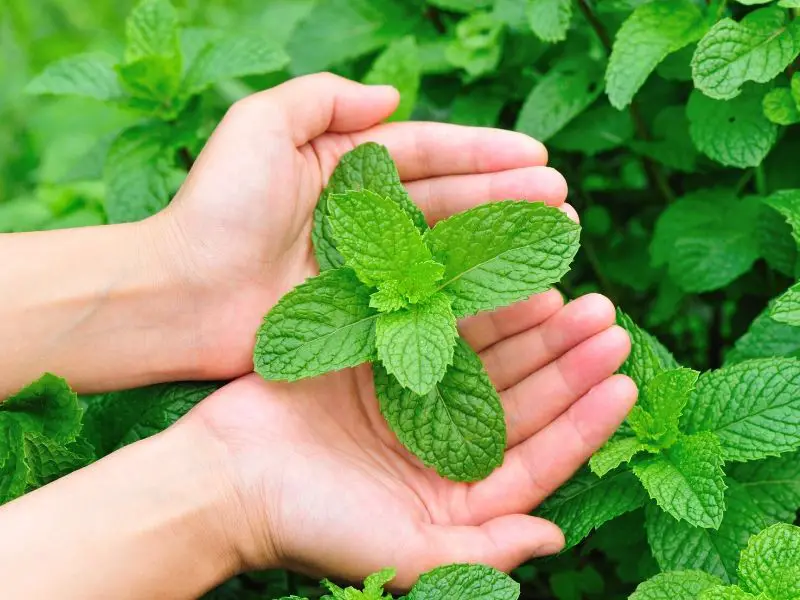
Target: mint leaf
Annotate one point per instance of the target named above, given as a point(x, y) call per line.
point(780, 106)
point(232, 57)
point(549, 19)
point(323, 325)
point(786, 308)
point(48, 460)
point(153, 82)
point(458, 428)
point(89, 75)
point(151, 30)
point(734, 133)
point(721, 592)
point(787, 202)
point(502, 252)
point(680, 585)
point(767, 556)
point(778, 246)
point(585, 502)
point(48, 406)
point(655, 418)
point(765, 338)
point(773, 484)
point(465, 582)
point(614, 453)
point(374, 584)
point(477, 47)
point(647, 36)
point(567, 89)
point(672, 145)
point(597, 130)
point(464, 6)
point(686, 480)
point(14, 470)
point(416, 344)
point(648, 357)
point(766, 424)
point(731, 53)
point(117, 419)
point(399, 65)
point(381, 244)
point(366, 167)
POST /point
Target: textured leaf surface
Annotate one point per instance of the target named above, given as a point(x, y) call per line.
point(655, 418)
point(90, 75)
point(757, 49)
point(399, 65)
point(458, 428)
point(686, 480)
point(585, 502)
point(647, 36)
point(549, 19)
point(323, 325)
point(477, 47)
point(502, 252)
point(752, 407)
point(366, 167)
point(780, 107)
point(648, 356)
point(786, 308)
point(726, 592)
point(151, 30)
point(416, 344)
point(765, 338)
point(735, 133)
point(48, 406)
point(14, 470)
point(681, 585)
point(614, 453)
point(562, 94)
point(773, 484)
point(465, 582)
point(48, 460)
point(767, 556)
point(596, 130)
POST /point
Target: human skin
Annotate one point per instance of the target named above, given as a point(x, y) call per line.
point(305, 475)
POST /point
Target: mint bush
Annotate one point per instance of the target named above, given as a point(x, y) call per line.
point(675, 123)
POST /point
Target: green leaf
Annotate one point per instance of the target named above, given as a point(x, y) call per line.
point(679, 585)
point(672, 145)
point(322, 325)
point(756, 49)
point(787, 202)
point(463, 6)
point(550, 19)
point(479, 106)
point(465, 582)
point(14, 470)
point(648, 357)
point(90, 75)
point(502, 252)
point(686, 480)
point(721, 592)
point(765, 338)
point(374, 584)
point(786, 308)
point(48, 460)
point(48, 406)
point(766, 424)
point(232, 57)
point(117, 419)
point(477, 46)
point(585, 502)
point(458, 427)
point(615, 453)
point(780, 107)
point(416, 344)
point(773, 484)
point(597, 130)
point(366, 167)
point(152, 30)
point(399, 66)
point(772, 551)
point(655, 418)
point(775, 237)
point(153, 82)
point(562, 94)
point(707, 239)
point(648, 35)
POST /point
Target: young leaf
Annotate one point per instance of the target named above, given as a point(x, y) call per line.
point(655, 418)
point(231, 57)
point(648, 356)
point(48, 460)
point(152, 30)
point(153, 83)
point(458, 427)
point(567, 89)
point(787, 202)
point(773, 484)
point(465, 582)
point(366, 167)
point(374, 584)
point(780, 107)
point(649, 34)
point(734, 133)
point(416, 344)
point(323, 325)
point(686, 480)
point(399, 66)
point(502, 252)
point(765, 338)
point(48, 406)
point(614, 453)
point(549, 19)
point(477, 47)
point(89, 75)
point(786, 308)
point(767, 556)
point(765, 425)
point(756, 49)
point(585, 502)
point(679, 585)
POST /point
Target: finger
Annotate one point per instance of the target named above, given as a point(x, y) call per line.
point(538, 399)
point(536, 468)
point(503, 543)
point(440, 197)
point(488, 328)
point(568, 210)
point(306, 107)
point(512, 360)
point(422, 150)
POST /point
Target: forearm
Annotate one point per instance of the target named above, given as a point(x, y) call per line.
point(100, 306)
point(149, 521)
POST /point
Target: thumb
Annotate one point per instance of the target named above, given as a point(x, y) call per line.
point(503, 543)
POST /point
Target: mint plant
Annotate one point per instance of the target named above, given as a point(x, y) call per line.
point(390, 292)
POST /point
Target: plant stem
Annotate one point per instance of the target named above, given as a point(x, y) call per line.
point(596, 24)
point(761, 181)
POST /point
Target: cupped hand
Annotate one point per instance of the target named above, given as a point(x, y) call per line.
point(243, 218)
point(321, 485)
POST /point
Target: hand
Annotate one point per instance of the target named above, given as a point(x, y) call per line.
point(242, 220)
point(322, 486)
